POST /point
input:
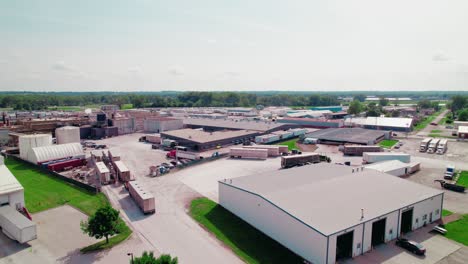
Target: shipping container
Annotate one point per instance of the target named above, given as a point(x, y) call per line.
point(297, 160)
point(372, 157)
point(357, 150)
point(16, 226)
point(248, 153)
point(143, 198)
point(154, 138)
point(102, 172)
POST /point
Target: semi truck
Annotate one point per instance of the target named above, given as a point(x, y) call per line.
point(424, 144)
point(357, 150)
point(143, 198)
point(16, 226)
point(442, 147)
point(372, 157)
point(298, 160)
point(433, 145)
point(180, 154)
point(273, 150)
point(248, 153)
point(451, 186)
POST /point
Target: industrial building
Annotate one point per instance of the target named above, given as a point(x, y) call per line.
point(312, 222)
point(337, 108)
point(67, 134)
point(395, 167)
point(382, 123)
point(201, 140)
point(124, 125)
point(348, 135)
point(263, 127)
point(162, 124)
point(26, 143)
point(313, 122)
point(462, 132)
point(13, 223)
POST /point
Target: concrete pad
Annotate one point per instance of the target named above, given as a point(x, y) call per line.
point(437, 248)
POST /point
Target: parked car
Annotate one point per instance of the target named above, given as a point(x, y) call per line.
point(449, 127)
point(411, 246)
point(433, 124)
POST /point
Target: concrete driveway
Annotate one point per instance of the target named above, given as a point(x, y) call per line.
point(437, 249)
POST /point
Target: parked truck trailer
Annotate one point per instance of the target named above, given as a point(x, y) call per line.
point(433, 145)
point(143, 198)
point(357, 150)
point(16, 226)
point(442, 147)
point(424, 144)
point(248, 153)
point(298, 160)
point(273, 150)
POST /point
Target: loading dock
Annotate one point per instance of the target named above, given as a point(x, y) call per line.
point(378, 232)
point(407, 221)
point(344, 246)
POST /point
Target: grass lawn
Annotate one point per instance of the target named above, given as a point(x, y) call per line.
point(125, 232)
point(65, 108)
point(463, 179)
point(127, 106)
point(427, 120)
point(251, 245)
point(436, 131)
point(42, 192)
point(458, 230)
point(290, 143)
point(446, 212)
point(388, 143)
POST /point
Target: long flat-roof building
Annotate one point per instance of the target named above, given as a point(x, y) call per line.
point(264, 127)
point(326, 212)
point(201, 140)
point(382, 123)
point(348, 135)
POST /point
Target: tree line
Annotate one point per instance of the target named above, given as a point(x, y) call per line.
point(41, 101)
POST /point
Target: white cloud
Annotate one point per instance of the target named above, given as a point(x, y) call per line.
point(175, 71)
point(61, 66)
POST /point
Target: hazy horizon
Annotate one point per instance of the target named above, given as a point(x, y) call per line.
point(208, 45)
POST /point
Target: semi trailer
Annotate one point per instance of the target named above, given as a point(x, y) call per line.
point(143, 198)
point(442, 147)
point(358, 150)
point(248, 153)
point(433, 145)
point(298, 160)
point(424, 144)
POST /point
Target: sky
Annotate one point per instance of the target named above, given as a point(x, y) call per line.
point(233, 45)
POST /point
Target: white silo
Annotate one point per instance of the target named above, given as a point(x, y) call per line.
point(27, 142)
point(67, 134)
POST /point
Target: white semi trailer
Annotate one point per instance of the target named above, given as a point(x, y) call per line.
point(442, 147)
point(245, 153)
point(433, 145)
point(424, 144)
point(372, 157)
point(16, 226)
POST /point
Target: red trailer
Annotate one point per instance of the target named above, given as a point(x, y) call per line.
point(60, 166)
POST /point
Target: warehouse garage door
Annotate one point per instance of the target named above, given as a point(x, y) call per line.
point(407, 221)
point(344, 246)
point(378, 232)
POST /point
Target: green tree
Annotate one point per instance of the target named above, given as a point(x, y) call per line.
point(383, 101)
point(424, 104)
point(458, 102)
point(360, 97)
point(355, 107)
point(373, 110)
point(104, 223)
point(463, 115)
point(148, 258)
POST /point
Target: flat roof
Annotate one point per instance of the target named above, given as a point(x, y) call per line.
point(352, 135)
point(329, 197)
point(8, 182)
point(121, 166)
point(144, 194)
point(382, 121)
point(388, 165)
point(242, 124)
point(200, 136)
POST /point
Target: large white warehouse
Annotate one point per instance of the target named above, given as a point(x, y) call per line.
point(328, 212)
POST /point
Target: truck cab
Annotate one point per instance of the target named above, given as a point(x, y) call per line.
point(449, 172)
point(433, 146)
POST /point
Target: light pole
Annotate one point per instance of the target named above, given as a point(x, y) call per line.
point(130, 254)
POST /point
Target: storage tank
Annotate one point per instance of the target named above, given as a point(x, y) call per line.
point(67, 134)
point(27, 142)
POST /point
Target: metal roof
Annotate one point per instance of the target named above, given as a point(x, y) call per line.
point(200, 136)
point(381, 121)
point(144, 194)
point(389, 165)
point(232, 124)
point(463, 129)
point(329, 197)
point(8, 182)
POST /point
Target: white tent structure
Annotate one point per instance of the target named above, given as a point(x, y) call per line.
point(42, 154)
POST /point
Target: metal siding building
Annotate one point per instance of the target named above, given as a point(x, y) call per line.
point(314, 229)
point(162, 124)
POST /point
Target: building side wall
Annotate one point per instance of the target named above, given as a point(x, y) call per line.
point(275, 223)
point(14, 198)
point(357, 242)
point(426, 208)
